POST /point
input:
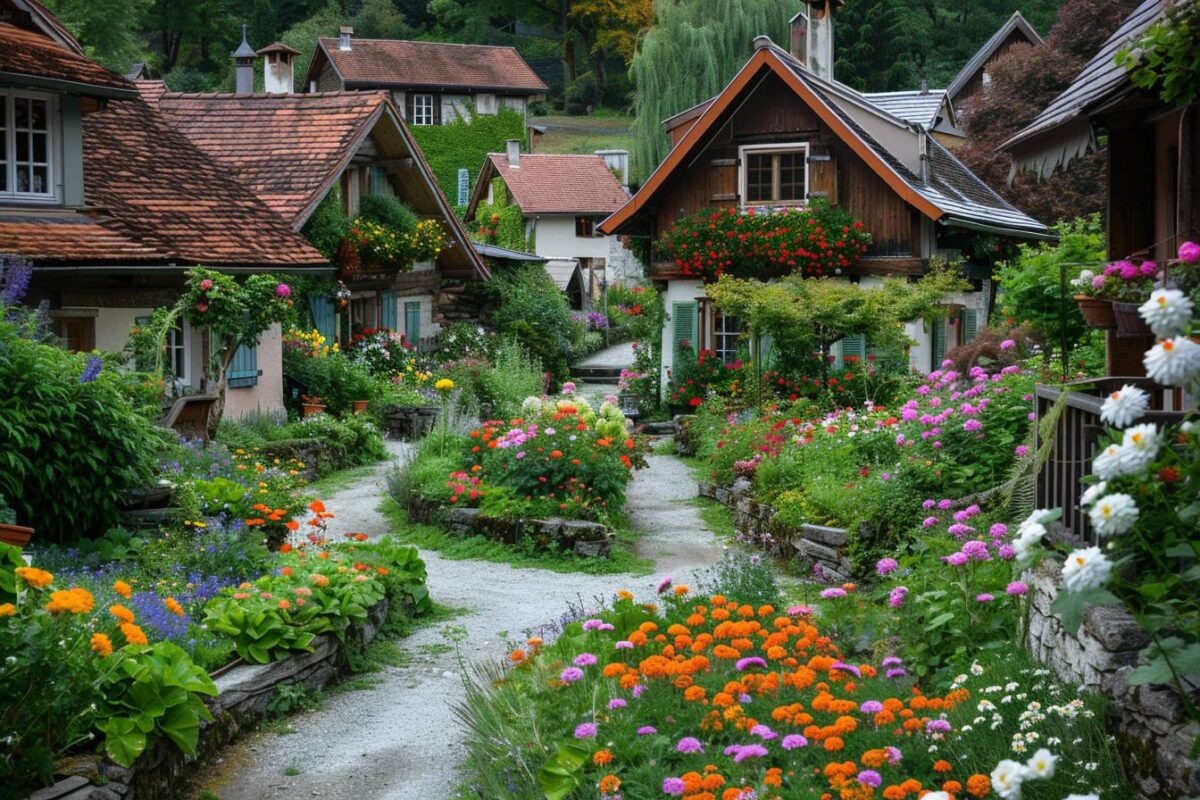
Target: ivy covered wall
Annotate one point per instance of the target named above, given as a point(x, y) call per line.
point(465, 144)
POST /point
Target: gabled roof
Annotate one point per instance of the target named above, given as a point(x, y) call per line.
point(546, 183)
point(71, 237)
point(397, 63)
point(918, 107)
point(290, 150)
point(33, 57)
point(949, 193)
point(1015, 24)
point(1063, 129)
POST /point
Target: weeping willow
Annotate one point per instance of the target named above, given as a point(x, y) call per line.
point(693, 50)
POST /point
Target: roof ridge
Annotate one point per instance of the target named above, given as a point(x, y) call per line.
point(380, 94)
point(421, 41)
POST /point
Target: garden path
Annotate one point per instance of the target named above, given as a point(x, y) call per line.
point(399, 740)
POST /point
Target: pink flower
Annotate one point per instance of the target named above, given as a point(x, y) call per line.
point(1021, 451)
point(283, 290)
point(1189, 252)
point(886, 565)
point(896, 596)
point(1017, 588)
point(957, 559)
point(205, 285)
point(984, 598)
point(929, 522)
point(202, 307)
point(1008, 344)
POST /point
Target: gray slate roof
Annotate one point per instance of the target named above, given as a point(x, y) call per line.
point(1099, 81)
point(919, 108)
point(1015, 22)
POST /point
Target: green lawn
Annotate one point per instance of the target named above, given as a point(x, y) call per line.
point(566, 134)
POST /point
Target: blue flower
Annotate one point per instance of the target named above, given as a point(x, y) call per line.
point(92, 370)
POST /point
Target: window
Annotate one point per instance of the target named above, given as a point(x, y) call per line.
point(485, 103)
point(585, 226)
point(422, 110)
point(726, 332)
point(774, 173)
point(176, 351)
point(412, 322)
point(27, 146)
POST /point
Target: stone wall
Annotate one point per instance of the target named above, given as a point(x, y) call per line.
point(584, 538)
point(816, 545)
point(243, 694)
point(1151, 725)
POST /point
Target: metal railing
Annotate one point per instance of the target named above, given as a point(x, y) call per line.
point(1074, 439)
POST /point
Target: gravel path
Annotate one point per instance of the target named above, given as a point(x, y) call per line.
point(399, 740)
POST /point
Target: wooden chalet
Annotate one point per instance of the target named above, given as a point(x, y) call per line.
point(778, 114)
point(111, 205)
point(293, 151)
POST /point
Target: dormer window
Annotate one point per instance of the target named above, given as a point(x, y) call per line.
point(27, 146)
point(774, 174)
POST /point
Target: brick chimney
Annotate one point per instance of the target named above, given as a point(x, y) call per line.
point(278, 68)
point(344, 34)
point(244, 58)
point(812, 36)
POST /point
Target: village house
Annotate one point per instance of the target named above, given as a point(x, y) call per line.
point(563, 198)
point(111, 205)
point(1153, 191)
point(296, 151)
point(785, 114)
point(432, 83)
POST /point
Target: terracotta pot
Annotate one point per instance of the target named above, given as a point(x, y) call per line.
point(1129, 321)
point(360, 406)
point(311, 409)
point(1097, 312)
point(16, 535)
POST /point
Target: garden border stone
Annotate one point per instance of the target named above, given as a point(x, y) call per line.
point(244, 693)
point(584, 538)
point(1154, 733)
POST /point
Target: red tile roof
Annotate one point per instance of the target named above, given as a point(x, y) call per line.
point(32, 53)
point(287, 149)
point(159, 190)
point(398, 63)
point(71, 237)
point(546, 183)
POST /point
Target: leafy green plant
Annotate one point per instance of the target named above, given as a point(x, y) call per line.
point(1167, 57)
point(466, 144)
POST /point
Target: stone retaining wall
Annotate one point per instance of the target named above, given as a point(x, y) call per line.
point(243, 694)
point(588, 539)
point(1154, 734)
point(816, 545)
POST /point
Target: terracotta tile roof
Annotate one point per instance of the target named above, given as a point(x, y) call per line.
point(26, 52)
point(71, 237)
point(151, 91)
point(399, 63)
point(546, 183)
point(283, 148)
point(161, 191)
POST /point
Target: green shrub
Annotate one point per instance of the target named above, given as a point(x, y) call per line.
point(466, 144)
point(388, 210)
point(513, 376)
point(328, 226)
point(530, 307)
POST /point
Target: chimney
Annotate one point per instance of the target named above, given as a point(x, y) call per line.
point(618, 161)
point(513, 147)
point(344, 34)
point(244, 58)
point(924, 86)
point(812, 36)
point(278, 73)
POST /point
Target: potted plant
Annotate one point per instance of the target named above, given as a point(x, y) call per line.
point(10, 531)
point(1111, 299)
point(1096, 309)
point(312, 404)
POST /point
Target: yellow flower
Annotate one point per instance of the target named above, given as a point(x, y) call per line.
point(7, 610)
point(34, 577)
point(101, 645)
point(73, 600)
point(444, 385)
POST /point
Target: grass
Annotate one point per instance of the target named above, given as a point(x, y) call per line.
point(291, 772)
point(716, 516)
point(341, 480)
point(565, 134)
point(621, 559)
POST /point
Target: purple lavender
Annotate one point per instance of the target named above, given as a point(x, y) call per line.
point(16, 273)
point(91, 370)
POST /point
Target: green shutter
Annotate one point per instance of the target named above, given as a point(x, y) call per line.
point(684, 316)
point(853, 346)
point(970, 325)
point(388, 315)
point(939, 342)
point(324, 317)
point(412, 321)
point(243, 370)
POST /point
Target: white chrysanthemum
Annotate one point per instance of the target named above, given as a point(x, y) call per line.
point(1082, 797)
point(1139, 448)
point(1041, 764)
point(1084, 281)
point(1007, 778)
point(1114, 514)
point(1093, 493)
point(1027, 538)
point(1086, 569)
point(1124, 406)
point(937, 796)
point(1167, 312)
point(1173, 362)
point(1038, 517)
point(1109, 464)
point(531, 407)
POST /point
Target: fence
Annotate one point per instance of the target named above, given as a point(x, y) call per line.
point(1074, 439)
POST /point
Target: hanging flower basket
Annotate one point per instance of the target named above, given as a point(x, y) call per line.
point(1128, 321)
point(1097, 311)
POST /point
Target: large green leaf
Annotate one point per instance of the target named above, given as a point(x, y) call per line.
point(182, 725)
point(559, 776)
point(123, 740)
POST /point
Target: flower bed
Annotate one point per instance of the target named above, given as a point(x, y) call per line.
point(712, 698)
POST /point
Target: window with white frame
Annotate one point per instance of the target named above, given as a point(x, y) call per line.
point(176, 351)
point(726, 332)
point(27, 146)
point(774, 173)
point(422, 109)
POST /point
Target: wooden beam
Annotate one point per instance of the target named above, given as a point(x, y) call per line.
point(394, 165)
point(889, 266)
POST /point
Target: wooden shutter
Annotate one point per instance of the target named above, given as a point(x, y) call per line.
point(684, 317)
point(853, 346)
point(387, 301)
point(243, 370)
point(324, 316)
point(437, 109)
point(822, 175)
point(970, 325)
point(939, 342)
point(408, 107)
point(412, 321)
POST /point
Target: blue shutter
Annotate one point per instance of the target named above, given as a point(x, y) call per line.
point(970, 325)
point(412, 322)
point(388, 317)
point(684, 317)
point(854, 347)
point(324, 316)
point(243, 371)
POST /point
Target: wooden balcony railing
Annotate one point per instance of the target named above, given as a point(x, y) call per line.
point(1074, 441)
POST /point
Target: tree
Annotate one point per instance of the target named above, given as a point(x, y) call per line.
point(616, 23)
point(110, 30)
point(879, 45)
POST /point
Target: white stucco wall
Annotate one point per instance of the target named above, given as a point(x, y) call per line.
point(679, 291)
point(555, 238)
point(428, 326)
point(267, 395)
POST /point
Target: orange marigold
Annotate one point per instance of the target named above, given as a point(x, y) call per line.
point(979, 785)
point(121, 612)
point(124, 589)
point(173, 606)
point(941, 765)
point(834, 743)
point(133, 634)
point(602, 757)
point(609, 784)
point(74, 600)
point(7, 610)
point(35, 578)
point(101, 645)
